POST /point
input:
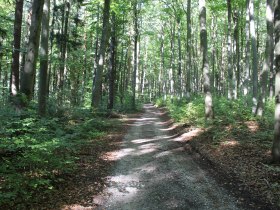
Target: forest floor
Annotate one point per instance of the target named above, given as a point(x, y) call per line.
point(159, 165)
point(235, 156)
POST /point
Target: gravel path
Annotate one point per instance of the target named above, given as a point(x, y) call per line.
point(155, 172)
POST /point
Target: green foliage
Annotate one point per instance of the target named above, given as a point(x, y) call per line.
point(233, 119)
point(183, 112)
point(36, 153)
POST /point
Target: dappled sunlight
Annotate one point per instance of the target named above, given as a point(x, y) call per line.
point(117, 155)
point(188, 136)
point(168, 128)
point(147, 119)
point(162, 154)
point(153, 170)
point(147, 148)
point(76, 207)
point(229, 143)
point(158, 138)
point(252, 126)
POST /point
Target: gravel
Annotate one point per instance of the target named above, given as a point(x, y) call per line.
point(154, 171)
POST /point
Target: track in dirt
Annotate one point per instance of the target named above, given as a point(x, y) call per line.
point(153, 171)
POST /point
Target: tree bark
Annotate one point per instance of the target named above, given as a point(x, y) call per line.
point(230, 69)
point(268, 61)
point(209, 114)
point(44, 59)
point(112, 68)
point(14, 78)
point(247, 72)
point(28, 74)
point(64, 40)
point(135, 65)
point(276, 141)
point(189, 32)
point(254, 56)
point(96, 91)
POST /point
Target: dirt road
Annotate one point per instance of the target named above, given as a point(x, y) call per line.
point(155, 172)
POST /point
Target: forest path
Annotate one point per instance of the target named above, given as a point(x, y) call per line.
point(154, 171)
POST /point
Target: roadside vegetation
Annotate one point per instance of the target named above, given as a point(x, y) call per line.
point(40, 157)
point(235, 141)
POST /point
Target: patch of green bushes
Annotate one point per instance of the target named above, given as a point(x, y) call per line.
point(36, 153)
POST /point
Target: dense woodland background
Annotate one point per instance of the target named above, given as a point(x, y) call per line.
point(211, 63)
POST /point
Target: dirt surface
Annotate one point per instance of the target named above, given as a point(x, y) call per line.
point(154, 171)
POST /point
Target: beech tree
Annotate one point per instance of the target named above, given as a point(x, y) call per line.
point(44, 57)
point(205, 65)
point(14, 78)
point(276, 141)
point(28, 74)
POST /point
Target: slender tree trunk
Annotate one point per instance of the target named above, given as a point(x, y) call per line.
point(97, 88)
point(268, 61)
point(271, 73)
point(276, 141)
point(54, 14)
point(64, 41)
point(172, 64)
point(44, 59)
point(205, 65)
point(112, 68)
point(236, 58)
point(230, 69)
point(254, 56)
point(28, 75)
point(135, 70)
point(247, 75)
point(180, 60)
point(14, 79)
point(1, 63)
point(189, 32)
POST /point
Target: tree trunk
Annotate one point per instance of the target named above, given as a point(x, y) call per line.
point(96, 91)
point(28, 74)
point(180, 60)
point(205, 65)
point(135, 65)
point(246, 88)
point(268, 61)
point(44, 59)
point(14, 79)
point(63, 49)
point(112, 68)
point(230, 70)
point(276, 141)
point(254, 56)
point(189, 49)
point(236, 56)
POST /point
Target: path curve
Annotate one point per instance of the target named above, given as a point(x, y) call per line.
point(155, 172)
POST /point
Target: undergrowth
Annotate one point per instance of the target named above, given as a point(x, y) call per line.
point(36, 154)
point(236, 141)
point(232, 118)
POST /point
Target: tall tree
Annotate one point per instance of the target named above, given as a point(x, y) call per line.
point(14, 78)
point(276, 141)
point(96, 91)
point(112, 68)
point(268, 61)
point(230, 69)
point(209, 114)
point(43, 79)
point(254, 56)
point(28, 74)
point(189, 32)
point(63, 47)
point(135, 64)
